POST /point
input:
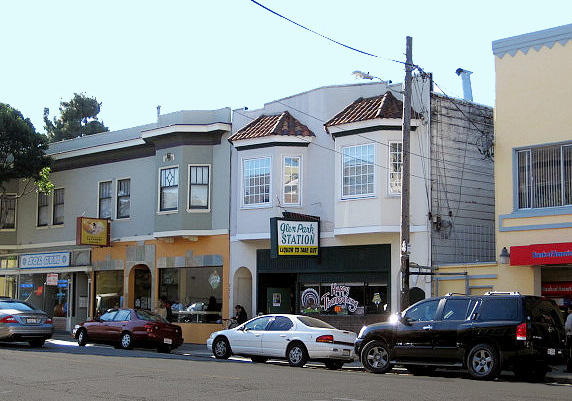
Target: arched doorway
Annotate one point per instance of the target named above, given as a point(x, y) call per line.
point(140, 279)
point(242, 294)
point(416, 294)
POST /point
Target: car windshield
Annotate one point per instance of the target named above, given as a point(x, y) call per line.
point(16, 305)
point(313, 322)
point(149, 316)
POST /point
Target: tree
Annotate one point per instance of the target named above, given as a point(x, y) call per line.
point(22, 155)
point(78, 117)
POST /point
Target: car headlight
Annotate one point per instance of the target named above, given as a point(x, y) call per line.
point(362, 331)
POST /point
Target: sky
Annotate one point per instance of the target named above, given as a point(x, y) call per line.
point(198, 55)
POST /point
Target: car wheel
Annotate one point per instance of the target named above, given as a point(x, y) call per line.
point(420, 370)
point(483, 362)
point(82, 338)
point(258, 359)
point(37, 342)
point(221, 348)
point(334, 365)
point(126, 341)
point(531, 373)
point(297, 355)
point(375, 357)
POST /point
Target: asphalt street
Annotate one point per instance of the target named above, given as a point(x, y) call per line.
point(63, 371)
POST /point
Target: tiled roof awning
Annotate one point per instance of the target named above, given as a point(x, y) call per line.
point(263, 126)
point(379, 107)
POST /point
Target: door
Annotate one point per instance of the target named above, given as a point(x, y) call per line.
point(117, 325)
point(277, 336)
point(97, 330)
point(248, 340)
point(455, 319)
point(278, 300)
point(413, 337)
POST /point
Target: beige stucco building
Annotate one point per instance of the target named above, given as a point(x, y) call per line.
point(533, 166)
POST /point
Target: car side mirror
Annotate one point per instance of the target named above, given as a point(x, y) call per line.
point(406, 320)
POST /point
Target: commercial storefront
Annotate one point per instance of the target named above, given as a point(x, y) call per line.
point(347, 286)
point(190, 273)
point(555, 263)
point(55, 282)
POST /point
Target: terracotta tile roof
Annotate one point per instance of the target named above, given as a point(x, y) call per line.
point(384, 106)
point(283, 124)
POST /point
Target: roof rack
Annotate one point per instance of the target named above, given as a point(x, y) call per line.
point(453, 293)
point(502, 293)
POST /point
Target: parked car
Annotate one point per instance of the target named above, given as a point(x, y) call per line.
point(21, 321)
point(298, 339)
point(483, 334)
point(127, 328)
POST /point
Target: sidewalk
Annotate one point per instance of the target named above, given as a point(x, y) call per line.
point(557, 375)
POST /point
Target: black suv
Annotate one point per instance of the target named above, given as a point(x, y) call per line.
point(484, 334)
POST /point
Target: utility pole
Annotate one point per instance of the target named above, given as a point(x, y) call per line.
point(405, 176)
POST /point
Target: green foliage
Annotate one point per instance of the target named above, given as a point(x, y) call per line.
point(22, 149)
point(78, 117)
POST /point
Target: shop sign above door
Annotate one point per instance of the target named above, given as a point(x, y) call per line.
point(294, 237)
point(541, 254)
point(42, 260)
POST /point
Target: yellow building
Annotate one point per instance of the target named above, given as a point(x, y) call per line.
point(533, 162)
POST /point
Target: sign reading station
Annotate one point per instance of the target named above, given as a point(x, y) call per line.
point(91, 231)
point(295, 238)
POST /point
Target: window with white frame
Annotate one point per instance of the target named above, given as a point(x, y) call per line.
point(105, 200)
point(7, 212)
point(357, 171)
point(169, 189)
point(544, 176)
point(124, 198)
point(291, 174)
point(256, 181)
point(395, 167)
point(199, 178)
point(58, 207)
point(43, 210)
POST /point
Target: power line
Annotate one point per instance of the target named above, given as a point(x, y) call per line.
point(323, 36)
point(371, 55)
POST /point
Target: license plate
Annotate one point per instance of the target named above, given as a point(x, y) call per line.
point(167, 341)
point(551, 351)
point(346, 352)
point(31, 320)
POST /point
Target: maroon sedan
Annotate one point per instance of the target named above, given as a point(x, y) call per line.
point(127, 328)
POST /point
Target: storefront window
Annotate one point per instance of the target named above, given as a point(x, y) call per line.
point(8, 286)
point(343, 298)
point(8, 262)
point(47, 294)
point(195, 293)
point(108, 290)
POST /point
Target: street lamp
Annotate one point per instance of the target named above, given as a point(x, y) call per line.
point(504, 257)
point(366, 75)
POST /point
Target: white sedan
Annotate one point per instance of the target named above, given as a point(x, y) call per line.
point(295, 338)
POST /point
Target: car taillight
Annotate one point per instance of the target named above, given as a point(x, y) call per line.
point(327, 338)
point(150, 327)
point(49, 320)
point(8, 319)
point(521, 331)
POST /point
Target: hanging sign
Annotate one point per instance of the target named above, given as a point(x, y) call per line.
point(294, 237)
point(91, 231)
point(52, 279)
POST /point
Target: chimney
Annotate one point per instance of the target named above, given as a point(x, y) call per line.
point(466, 77)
